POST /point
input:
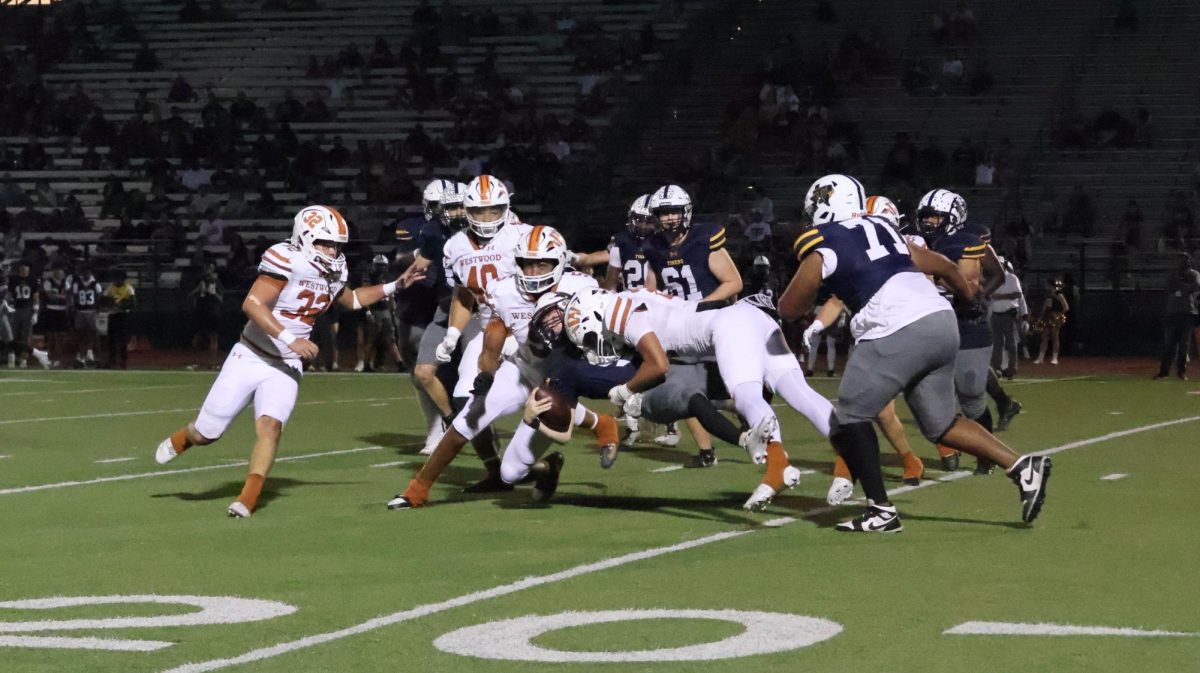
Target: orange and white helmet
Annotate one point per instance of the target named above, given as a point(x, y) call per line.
point(587, 314)
point(321, 223)
point(540, 243)
point(882, 207)
point(486, 193)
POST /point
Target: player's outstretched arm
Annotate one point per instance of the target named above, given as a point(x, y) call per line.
point(588, 259)
point(493, 343)
point(653, 369)
point(257, 306)
point(361, 297)
point(797, 300)
point(722, 266)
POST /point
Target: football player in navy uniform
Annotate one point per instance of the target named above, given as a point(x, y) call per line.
point(690, 263)
point(941, 220)
point(24, 295)
point(907, 340)
point(627, 264)
point(85, 293)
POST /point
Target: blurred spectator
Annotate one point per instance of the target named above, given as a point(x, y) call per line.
point(963, 160)
point(211, 229)
point(1126, 20)
point(1080, 217)
point(145, 60)
point(1179, 319)
point(985, 171)
point(763, 204)
point(11, 193)
point(1130, 232)
point(1180, 225)
point(900, 163)
point(181, 91)
point(121, 298)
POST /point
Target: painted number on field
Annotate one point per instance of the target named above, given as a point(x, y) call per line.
point(213, 610)
point(511, 639)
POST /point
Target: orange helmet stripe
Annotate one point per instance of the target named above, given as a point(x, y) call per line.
point(534, 236)
point(485, 188)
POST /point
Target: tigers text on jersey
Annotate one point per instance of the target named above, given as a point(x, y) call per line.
point(866, 263)
point(973, 328)
point(626, 254)
point(477, 267)
point(85, 292)
point(306, 294)
point(683, 269)
point(684, 332)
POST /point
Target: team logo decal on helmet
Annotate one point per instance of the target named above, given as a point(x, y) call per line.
point(834, 198)
point(540, 244)
point(432, 197)
point(326, 225)
point(941, 212)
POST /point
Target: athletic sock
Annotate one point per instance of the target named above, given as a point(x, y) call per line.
point(717, 424)
point(841, 469)
point(251, 491)
point(777, 461)
point(858, 445)
point(996, 391)
point(180, 441)
point(606, 430)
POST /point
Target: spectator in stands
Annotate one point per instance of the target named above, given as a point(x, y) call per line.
point(191, 12)
point(1080, 217)
point(11, 193)
point(758, 231)
point(145, 60)
point(34, 156)
point(1126, 20)
point(916, 79)
point(1130, 231)
point(763, 203)
point(900, 163)
point(1179, 319)
point(1047, 220)
point(1143, 132)
point(211, 228)
point(217, 12)
point(181, 91)
point(985, 171)
point(206, 297)
point(1180, 227)
point(939, 26)
point(289, 109)
point(315, 110)
point(962, 23)
point(113, 197)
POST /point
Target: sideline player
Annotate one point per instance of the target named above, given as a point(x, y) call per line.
point(297, 280)
point(907, 341)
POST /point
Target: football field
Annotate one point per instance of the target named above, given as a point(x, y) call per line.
point(111, 562)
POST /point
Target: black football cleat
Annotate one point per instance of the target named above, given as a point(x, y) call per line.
point(546, 482)
point(399, 502)
point(950, 463)
point(705, 458)
point(876, 519)
point(1010, 412)
point(608, 455)
point(489, 485)
point(1030, 474)
point(983, 466)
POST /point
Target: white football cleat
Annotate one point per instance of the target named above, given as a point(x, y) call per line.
point(237, 510)
point(669, 439)
point(762, 495)
point(839, 491)
point(43, 357)
point(755, 439)
point(165, 452)
point(433, 440)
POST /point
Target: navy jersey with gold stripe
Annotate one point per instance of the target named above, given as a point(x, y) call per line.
point(868, 251)
point(683, 269)
point(973, 328)
point(632, 259)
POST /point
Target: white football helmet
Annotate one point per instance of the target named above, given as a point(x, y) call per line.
point(834, 198)
point(321, 223)
point(948, 207)
point(540, 243)
point(667, 201)
point(431, 199)
point(486, 192)
point(586, 313)
point(883, 208)
point(452, 200)
point(640, 223)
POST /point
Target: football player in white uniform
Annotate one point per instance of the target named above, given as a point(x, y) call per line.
point(504, 380)
point(746, 343)
point(297, 280)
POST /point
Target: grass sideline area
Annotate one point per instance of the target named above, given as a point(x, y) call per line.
point(629, 569)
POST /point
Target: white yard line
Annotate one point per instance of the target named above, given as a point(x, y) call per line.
point(103, 461)
point(1023, 629)
point(391, 463)
point(167, 473)
point(1029, 382)
point(531, 582)
point(669, 468)
point(1113, 477)
point(119, 414)
point(102, 390)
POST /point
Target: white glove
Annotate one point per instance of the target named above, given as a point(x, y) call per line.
point(445, 350)
point(510, 346)
point(633, 406)
point(813, 334)
point(618, 394)
point(35, 319)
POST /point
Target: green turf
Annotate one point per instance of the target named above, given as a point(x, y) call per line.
point(1111, 553)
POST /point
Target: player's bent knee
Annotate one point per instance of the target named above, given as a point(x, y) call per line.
point(425, 375)
point(512, 472)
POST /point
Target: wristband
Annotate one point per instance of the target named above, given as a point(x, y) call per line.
point(535, 423)
point(819, 325)
point(354, 302)
point(285, 336)
point(389, 289)
point(453, 334)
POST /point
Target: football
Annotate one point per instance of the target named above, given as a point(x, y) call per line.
point(559, 416)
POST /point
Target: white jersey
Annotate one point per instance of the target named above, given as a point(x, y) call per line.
point(306, 294)
point(684, 332)
point(479, 267)
point(515, 308)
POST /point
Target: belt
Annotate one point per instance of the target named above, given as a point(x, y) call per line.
point(1008, 312)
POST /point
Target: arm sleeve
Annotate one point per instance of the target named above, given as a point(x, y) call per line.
point(614, 256)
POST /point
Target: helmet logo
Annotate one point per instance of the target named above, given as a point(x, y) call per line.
point(312, 218)
point(821, 195)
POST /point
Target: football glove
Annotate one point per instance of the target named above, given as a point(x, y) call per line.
point(445, 350)
point(483, 383)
